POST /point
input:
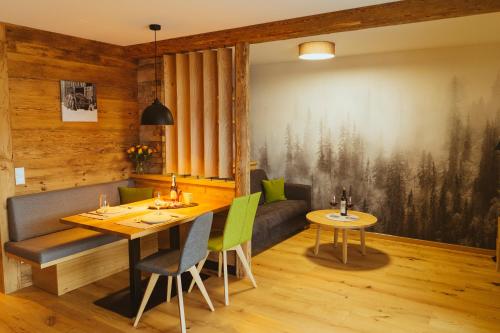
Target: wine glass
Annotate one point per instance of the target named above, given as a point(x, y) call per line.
point(103, 203)
point(158, 202)
point(334, 202)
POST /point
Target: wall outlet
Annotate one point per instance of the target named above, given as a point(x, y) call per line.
point(20, 179)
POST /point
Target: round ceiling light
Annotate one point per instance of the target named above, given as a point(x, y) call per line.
point(316, 50)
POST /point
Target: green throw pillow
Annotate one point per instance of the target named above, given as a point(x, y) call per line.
point(274, 189)
point(133, 194)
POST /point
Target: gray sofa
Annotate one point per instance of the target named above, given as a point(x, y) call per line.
point(34, 228)
point(276, 221)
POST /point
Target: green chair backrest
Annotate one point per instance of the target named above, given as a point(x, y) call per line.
point(239, 223)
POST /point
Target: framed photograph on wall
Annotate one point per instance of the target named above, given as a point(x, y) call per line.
point(78, 101)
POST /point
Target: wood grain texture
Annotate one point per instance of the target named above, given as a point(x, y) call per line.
point(61, 155)
point(394, 13)
point(110, 226)
point(104, 261)
point(210, 127)
point(9, 270)
point(202, 189)
point(170, 93)
point(196, 113)
point(183, 110)
point(242, 135)
point(396, 287)
point(149, 134)
point(225, 110)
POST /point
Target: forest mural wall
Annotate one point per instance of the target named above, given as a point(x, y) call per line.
point(412, 133)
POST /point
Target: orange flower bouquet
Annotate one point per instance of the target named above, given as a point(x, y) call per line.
point(140, 154)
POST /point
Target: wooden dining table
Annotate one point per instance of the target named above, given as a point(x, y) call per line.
point(126, 302)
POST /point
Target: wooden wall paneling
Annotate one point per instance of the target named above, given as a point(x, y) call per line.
point(170, 92)
point(242, 135)
point(196, 113)
point(150, 135)
point(59, 155)
point(393, 13)
point(183, 121)
point(225, 110)
point(9, 269)
point(210, 126)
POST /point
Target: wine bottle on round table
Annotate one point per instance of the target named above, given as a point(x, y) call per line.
point(343, 203)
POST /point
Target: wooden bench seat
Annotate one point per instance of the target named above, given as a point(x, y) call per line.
point(64, 258)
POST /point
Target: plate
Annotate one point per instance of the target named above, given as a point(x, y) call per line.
point(155, 218)
point(110, 210)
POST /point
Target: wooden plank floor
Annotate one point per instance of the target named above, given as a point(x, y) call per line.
point(397, 287)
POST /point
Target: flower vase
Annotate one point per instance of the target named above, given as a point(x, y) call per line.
point(140, 168)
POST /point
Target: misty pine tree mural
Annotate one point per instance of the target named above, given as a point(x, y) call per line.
point(437, 183)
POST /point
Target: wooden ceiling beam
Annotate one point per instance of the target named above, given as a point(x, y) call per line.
point(394, 13)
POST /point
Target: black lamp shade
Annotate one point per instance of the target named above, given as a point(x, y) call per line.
point(157, 114)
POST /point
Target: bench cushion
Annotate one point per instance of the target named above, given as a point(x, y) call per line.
point(38, 214)
point(279, 212)
point(57, 245)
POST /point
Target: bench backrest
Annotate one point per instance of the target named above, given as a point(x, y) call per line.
point(34, 215)
point(256, 178)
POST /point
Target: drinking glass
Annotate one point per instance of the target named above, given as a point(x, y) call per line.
point(158, 202)
point(103, 202)
point(333, 203)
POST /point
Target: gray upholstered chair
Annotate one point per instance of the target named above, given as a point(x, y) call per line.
point(172, 263)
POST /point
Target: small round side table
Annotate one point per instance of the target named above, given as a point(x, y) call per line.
point(320, 218)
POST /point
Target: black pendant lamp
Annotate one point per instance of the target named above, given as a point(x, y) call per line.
point(156, 113)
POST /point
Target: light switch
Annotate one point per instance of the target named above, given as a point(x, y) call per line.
point(20, 180)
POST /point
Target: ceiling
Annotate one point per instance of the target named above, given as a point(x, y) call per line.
point(125, 22)
point(469, 30)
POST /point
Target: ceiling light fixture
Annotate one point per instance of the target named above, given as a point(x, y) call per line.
point(156, 113)
point(316, 50)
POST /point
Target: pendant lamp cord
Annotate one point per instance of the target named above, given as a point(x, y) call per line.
point(156, 76)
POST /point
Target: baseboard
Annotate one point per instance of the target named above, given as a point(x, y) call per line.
point(416, 241)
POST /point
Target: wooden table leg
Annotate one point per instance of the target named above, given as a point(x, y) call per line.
point(344, 245)
point(316, 247)
point(335, 237)
point(363, 244)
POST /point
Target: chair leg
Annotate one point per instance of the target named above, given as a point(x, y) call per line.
point(149, 289)
point(199, 268)
point(201, 286)
point(245, 264)
point(181, 304)
point(226, 289)
point(169, 288)
point(219, 272)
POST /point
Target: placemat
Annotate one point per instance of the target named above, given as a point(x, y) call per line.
point(126, 210)
point(136, 222)
point(341, 218)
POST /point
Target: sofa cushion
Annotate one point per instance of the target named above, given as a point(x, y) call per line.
point(274, 190)
point(256, 178)
point(38, 214)
point(133, 194)
point(46, 248)
point(279, 212)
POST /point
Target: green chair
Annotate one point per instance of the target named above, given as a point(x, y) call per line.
point(238, 230)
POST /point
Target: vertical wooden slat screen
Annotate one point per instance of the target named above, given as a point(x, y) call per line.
point(196, 113)
point(211, 142)
point(183, 122)
point(170, 93)
point(225, 109)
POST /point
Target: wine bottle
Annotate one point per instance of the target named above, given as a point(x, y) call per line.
point(343, 203)
point(173, 189)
